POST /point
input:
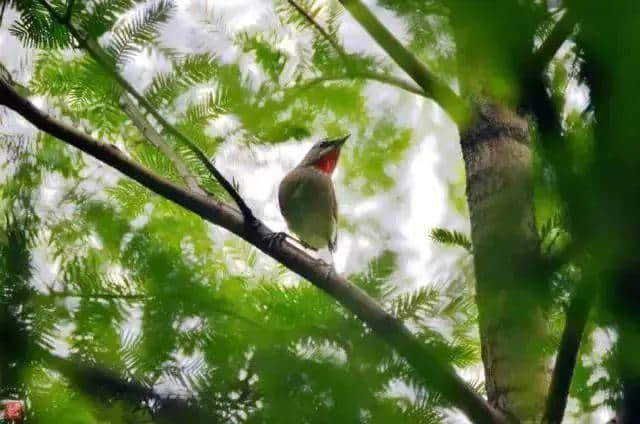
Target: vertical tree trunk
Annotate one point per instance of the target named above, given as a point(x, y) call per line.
point(498, 160)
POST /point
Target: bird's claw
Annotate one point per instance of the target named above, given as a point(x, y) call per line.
point(275, 239)
point(279, 237)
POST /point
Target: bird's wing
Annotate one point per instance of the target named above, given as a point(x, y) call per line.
point(290, 188)
point(333, 242)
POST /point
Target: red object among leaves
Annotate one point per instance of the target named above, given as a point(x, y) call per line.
point(328, 162)
point(13, 411)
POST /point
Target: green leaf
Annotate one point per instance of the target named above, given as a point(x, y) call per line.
point(452, 238)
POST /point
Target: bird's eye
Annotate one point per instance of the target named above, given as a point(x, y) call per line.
point(325, 144)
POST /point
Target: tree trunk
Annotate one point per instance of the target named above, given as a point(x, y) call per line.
point(498, 160)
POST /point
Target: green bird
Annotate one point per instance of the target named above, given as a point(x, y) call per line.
point(307, 198)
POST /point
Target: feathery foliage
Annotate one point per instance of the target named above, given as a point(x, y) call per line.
point(99, 270)
point(453, 238)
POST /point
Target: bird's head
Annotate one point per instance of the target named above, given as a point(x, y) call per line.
point(324, 154)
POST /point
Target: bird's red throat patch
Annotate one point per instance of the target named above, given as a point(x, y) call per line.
point(328, 162)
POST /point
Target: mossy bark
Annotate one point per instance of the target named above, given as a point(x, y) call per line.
point(498, 160)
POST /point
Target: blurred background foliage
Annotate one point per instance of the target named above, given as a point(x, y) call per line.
point(160, 307)
point(142, 290)
point(157, 303)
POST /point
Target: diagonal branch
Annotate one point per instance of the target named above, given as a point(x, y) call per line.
point(338, 48)
point(534, 80)
point(437, 375)
point(431, 85)
point(554, 149)
point(97, 53)
point(2, 9)
point(350, 72)
point(67, 14)
point(561, 31)
point(142, 123)
point(397, 82)
point(577, 315)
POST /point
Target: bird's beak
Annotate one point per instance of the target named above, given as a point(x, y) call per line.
point(337, 143)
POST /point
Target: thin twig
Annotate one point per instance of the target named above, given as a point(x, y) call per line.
point(338, 48)
point(139, 120)
point(408, 62)
point(6, 75)
point(4, 7)
point(347, 61)
point(397, 82)
point(149, 132)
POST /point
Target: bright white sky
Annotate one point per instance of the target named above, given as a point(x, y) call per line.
point(399, 219)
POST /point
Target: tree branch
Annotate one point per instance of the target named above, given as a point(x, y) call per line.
point(97, 53)
point(103, 383)
point(432, 86)
point(68, 12)
point(536, 98)
point(350, 73)
point(437, 375)
point(576, 320)
point(2, 9)
point(554, 146)
point(140, 121)
point(338, 48)
point(561, 31)
point(148, 131)
point(390, 80)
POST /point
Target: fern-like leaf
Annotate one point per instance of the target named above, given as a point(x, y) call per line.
point(37, 28)
point(412, 305)
point(133, 34)
point(452, 238)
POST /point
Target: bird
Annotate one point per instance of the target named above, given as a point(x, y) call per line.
point(307, 198)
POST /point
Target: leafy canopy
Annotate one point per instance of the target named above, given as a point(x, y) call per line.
point(140, 287)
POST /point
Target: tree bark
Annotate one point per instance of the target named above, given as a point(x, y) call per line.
point(512, 316)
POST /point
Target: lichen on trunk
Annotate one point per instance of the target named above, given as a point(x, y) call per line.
point(498, 160)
